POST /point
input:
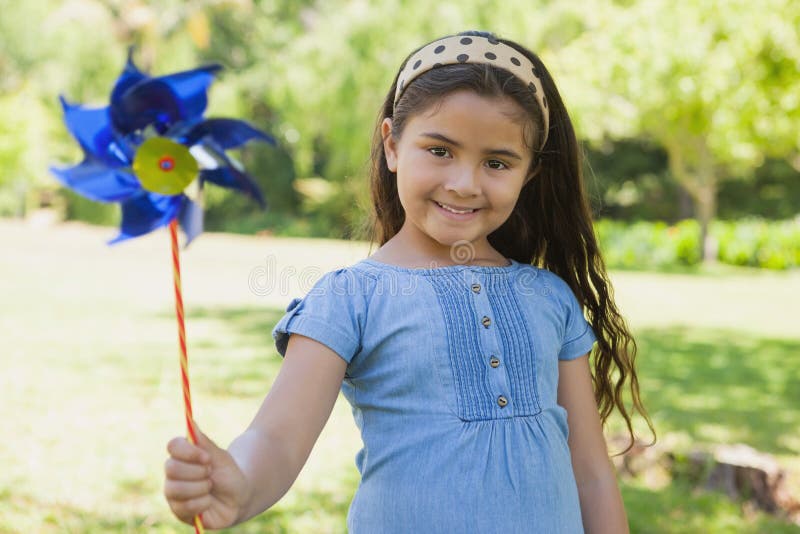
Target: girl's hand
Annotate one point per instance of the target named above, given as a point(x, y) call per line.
point(204, 479)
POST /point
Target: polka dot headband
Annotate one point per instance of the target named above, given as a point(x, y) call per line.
point(474, 49)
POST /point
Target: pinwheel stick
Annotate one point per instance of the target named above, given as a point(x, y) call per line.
point(187, 396)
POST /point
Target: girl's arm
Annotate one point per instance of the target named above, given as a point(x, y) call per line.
point(260, 466)
point(276, 445)
point(601, 502)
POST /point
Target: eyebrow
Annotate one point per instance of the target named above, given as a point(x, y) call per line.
point(498, 151)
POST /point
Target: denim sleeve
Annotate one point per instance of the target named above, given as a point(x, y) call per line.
point(332, 313)
point(579, 337)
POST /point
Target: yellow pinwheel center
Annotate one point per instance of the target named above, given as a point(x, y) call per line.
point(164, 166)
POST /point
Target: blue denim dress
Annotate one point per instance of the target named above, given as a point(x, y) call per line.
point(452, 376)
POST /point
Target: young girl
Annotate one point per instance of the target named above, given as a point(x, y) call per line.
point(461, 344)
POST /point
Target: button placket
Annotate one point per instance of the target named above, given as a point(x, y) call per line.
point(496, 372)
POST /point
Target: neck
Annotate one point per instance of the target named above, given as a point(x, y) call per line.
point(426, 253)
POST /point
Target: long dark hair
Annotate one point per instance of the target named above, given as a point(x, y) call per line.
point(551, 224)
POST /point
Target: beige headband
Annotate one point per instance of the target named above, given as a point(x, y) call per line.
point(475, 49)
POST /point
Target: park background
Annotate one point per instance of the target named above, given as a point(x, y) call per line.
point(688, 113)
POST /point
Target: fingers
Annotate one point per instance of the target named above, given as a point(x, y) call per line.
point(188, 498)
point(179, 470)
point(186, 490)
point(188, 484)
point(181, 449)
point(187, 510)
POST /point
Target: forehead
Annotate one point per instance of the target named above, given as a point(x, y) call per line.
point(465, 114)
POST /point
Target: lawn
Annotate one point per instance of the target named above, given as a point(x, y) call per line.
point(90, 385)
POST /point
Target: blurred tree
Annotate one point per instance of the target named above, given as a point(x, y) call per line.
point(715, 83)
point(711, 89)
point(774, 193)
point(628, 180)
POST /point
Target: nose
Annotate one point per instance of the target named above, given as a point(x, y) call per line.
point(463, 182)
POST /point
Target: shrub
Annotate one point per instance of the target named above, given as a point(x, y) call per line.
point(656, 245)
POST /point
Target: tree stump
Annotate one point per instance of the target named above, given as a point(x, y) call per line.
point(743, 474)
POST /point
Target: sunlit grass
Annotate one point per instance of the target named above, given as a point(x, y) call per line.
point(90, 386)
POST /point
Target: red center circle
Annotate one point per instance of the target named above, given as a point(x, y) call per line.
point(166, 163)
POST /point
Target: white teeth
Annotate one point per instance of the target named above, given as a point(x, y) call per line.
point(448, 208)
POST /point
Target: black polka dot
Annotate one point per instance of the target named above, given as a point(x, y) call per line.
point(489, 55)
point(515, 61)
point(544, 101)
point(417, 64)
point(492, 40)
point(532, 87)
point(439, 49)
point(402, 84)
point(466, 40)
point(437, 65)
point(535, 72)
point(462, 58)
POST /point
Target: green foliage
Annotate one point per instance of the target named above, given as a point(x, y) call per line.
point(659, 78)
point(773, 193)
point(759, 243)
point(720, 71)
point(656, 245)
point(79, 208)
point(647, 245)
point(714, 83)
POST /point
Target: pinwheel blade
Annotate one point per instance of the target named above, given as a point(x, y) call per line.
point(92, 129)
point(234, 179)
point(191, 89)
point(163, 101)
point(226, 133)
point(149, 103)
point(191, 220)
point(146, 212)
point(96, 181)
point(130, 76)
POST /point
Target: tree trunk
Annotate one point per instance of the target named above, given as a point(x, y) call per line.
point(695, 172)
point(685, 203)
point(706, 210)
point(706, 200)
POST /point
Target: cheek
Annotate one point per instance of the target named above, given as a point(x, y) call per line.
point(407, 191)
point(416, 179)
point(506, 196)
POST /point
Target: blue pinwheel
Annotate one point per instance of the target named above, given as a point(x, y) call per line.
point(150, 143)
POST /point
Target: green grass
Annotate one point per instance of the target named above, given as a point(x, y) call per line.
point(89, 380)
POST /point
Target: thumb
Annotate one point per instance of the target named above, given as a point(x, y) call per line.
point(204, 442)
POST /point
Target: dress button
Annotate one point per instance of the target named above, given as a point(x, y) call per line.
point(486, 321)
point(476, 288)
point(502, 401)
point(494, 361)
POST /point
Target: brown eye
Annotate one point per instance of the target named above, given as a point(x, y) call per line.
point(497, 165)
point(438, 151)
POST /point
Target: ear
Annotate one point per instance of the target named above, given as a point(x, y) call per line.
point(389, 144)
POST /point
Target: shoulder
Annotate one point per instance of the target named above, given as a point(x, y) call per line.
point(547, 283)
point(351, 281)
point(332, 311)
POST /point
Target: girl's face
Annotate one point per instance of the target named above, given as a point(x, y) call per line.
point(466, 153)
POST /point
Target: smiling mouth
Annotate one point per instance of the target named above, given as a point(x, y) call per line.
point(454, 210)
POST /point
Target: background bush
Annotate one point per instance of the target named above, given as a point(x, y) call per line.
point(657, 245)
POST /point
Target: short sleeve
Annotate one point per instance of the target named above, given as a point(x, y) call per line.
point(332, 313)
point(579, 337)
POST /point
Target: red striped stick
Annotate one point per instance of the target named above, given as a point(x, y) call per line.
point(187, 397)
